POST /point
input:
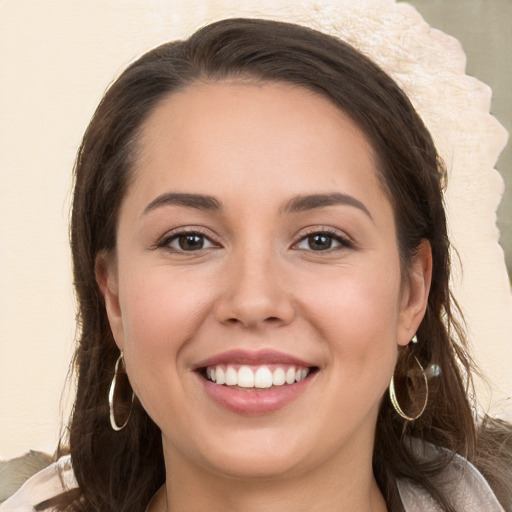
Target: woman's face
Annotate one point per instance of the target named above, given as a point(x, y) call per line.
point(256, 245)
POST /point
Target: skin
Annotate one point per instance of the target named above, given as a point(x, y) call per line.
point(258, 284)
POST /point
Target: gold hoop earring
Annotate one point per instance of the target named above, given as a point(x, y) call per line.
point(111, 392)
point(394, 400)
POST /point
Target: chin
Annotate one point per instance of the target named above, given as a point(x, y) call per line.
point(257, 466)
point(252, 455)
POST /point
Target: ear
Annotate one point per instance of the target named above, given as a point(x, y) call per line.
point(106, 277)
point(416, 288)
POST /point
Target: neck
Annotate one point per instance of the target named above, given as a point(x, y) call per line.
point(332, 487)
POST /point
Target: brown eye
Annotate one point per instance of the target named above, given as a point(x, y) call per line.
point(191, 242)
point(323, 241)
point(319, 242)
point(187, 242)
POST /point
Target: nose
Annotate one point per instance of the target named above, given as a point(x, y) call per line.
point(255, 292)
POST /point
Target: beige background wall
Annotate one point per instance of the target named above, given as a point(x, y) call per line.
point(56, 58)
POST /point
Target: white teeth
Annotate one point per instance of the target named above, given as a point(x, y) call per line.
point(231, 376)
point(262, 378)
point(220, 377)
point(278, 377)
point(290, 376)
point(245, 377)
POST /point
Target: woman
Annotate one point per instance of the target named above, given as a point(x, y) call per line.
point(260, 257)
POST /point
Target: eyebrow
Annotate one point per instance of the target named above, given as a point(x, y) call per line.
point(198, 201)
point(303, 203)
point(296, 204)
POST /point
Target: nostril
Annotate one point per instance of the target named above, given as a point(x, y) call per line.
point(269, 320)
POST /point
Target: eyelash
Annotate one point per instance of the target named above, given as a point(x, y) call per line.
point(331, 234)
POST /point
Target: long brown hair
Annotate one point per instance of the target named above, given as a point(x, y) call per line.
point(120, 471)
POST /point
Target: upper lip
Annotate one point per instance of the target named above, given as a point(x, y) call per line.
point(261, 357)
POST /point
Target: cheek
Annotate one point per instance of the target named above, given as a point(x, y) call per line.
point(159, 316)
point(356, 316)
point(159, 306)
point(356, 306)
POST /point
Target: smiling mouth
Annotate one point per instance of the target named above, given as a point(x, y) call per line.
point(256, 377)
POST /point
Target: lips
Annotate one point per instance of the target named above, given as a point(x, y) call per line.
point(254, 382)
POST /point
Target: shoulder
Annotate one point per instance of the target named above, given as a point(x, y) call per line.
point(460, 480)
point(51, 481)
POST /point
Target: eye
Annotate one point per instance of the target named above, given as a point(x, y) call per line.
point(187, 242)
point(322, 241)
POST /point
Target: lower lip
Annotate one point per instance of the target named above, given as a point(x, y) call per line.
point(254, 400)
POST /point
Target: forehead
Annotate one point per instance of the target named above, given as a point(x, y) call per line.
point(241, 128)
